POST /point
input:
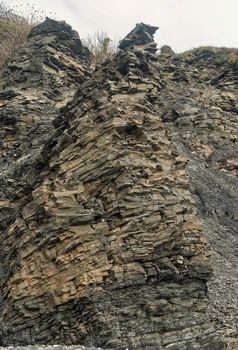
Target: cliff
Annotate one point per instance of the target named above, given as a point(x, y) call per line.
point(199, 106)
point(41, 76)
point(112, 182)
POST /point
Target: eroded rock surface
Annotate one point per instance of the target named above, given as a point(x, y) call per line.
point(141, 35)
point(200, 105)
point(39, 79)
point(101, 241)
point(108, 249)
point(53, 347)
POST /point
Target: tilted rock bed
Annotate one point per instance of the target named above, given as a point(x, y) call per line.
point(104, 246)
point(41, 77)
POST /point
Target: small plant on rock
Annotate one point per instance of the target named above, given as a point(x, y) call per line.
point(100, 46)
point(15, 25)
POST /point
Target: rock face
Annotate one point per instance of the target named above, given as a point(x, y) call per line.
point(40, 78)
point(53, 347)
point(141, 35)
point(107, 248)
point(199, 105)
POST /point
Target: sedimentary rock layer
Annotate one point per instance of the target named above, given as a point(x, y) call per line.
point(199, 106)
point(41, 77)
point(109, 249)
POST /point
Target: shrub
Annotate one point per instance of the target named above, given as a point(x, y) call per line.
point(15, 25)
point(100, 46)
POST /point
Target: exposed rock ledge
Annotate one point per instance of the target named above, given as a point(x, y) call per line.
point(106, 248)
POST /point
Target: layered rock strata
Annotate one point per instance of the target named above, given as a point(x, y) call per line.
point(199, 105)
point(40, 78)
point(109, 250)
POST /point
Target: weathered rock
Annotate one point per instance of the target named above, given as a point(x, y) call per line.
point(141, 35)
point(39, 79)
point(108, 249)
point(54, 347)
point(228, 78)
point(202, 117)
point(166, 50)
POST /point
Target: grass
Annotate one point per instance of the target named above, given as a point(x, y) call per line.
point(17, 22)
point(100, 46)
point(15, 25)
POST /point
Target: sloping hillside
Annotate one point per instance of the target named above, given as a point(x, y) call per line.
point(112, 182)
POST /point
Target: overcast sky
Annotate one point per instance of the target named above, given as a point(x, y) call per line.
point(184, 24)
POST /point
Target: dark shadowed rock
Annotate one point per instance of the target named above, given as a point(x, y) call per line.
point(41, 76)
point(202, 117)
point(228, 78)
point(142, 34)
point(63, 33)
point(107, 248)
point(166, 50)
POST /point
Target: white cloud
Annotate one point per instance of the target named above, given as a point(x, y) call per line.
point(183, 23)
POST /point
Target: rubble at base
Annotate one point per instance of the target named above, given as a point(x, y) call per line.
point(102, 243)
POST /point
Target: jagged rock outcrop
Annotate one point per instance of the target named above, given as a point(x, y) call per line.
point(44, 71)
point(108, 249)
point(141, 35)
point(199, 106)
point(40, 78)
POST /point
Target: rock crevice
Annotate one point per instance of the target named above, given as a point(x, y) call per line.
point(108, 249)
